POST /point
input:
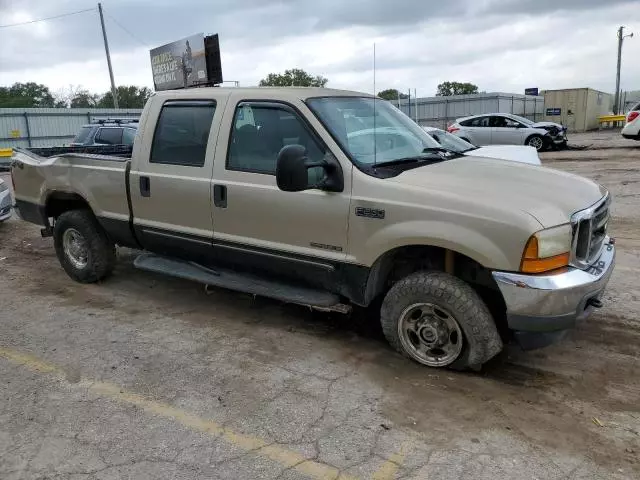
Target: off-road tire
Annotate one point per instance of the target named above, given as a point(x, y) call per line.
point(101, 258)
point(481, 339)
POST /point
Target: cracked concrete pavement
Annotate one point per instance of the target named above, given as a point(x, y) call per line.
point(146, 376)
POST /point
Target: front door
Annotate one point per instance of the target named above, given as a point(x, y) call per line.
point(171, 182)
point(257, 226)
point(506, 131)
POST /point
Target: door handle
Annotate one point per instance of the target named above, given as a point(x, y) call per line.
point(145, 186)
point(220, 196)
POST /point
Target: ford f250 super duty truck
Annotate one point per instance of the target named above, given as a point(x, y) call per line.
point(329, 199)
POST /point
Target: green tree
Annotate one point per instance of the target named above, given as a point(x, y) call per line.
point(293, 78)
point(84, 99)
point(128, 97)
point(392, 94)
point(447, 89)
point(27, 95)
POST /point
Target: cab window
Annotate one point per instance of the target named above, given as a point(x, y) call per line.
point(182, 133)
point(258, 134)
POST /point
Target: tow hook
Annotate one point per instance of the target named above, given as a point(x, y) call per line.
point(595, 303)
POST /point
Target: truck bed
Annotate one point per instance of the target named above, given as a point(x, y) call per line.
point(95, 179)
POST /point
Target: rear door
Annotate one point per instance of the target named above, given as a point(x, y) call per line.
point(171, 183)
point(477, 130)
point(506, 131)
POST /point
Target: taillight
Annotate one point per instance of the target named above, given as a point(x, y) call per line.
point(632, 116)
point(452, 128)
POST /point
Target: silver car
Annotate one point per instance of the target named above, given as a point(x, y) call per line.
point(5, 201)
point(509, 129)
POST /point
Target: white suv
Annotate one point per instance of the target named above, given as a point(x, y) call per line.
point(632, 128)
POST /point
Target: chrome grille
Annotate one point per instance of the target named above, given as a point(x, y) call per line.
point(589, 232)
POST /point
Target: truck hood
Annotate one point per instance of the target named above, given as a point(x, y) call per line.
point(549, 195)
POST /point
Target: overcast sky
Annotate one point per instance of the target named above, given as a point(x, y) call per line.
point(500, 45)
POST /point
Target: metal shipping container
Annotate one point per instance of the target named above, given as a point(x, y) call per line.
point(577, 108)
point(44, 127)
point(441, 111)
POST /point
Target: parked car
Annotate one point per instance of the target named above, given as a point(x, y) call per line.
point(5, 201)
point(516, 153)
point(118, 131)
point(508, 129)
point(260, 190)
point(632, 127)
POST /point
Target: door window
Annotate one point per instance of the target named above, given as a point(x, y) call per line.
point(258, 134)
point(109, 136)
point(182, 133)
point(503, 122)
point(477, 122)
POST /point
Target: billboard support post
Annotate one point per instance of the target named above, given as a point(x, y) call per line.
point(114, 92)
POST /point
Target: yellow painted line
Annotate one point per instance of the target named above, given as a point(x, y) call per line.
point(388, 469)
point(259, 446)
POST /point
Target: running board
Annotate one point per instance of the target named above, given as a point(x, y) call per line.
point(238, 281)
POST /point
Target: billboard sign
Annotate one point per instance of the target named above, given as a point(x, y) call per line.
point(531, 91)
point(179, 64)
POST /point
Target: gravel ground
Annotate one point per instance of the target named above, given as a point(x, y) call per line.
point(149, 377)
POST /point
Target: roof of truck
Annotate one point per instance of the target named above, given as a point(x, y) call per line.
point(282, 92)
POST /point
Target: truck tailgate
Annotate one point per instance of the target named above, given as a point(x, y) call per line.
point(98, 180)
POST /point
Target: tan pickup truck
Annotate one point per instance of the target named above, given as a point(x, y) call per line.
point(331, 199)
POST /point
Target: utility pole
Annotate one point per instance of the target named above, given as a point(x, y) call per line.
point(621, 38)
point(114, 92)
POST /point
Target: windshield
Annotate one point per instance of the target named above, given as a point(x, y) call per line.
point(388, 136)
point(526, 121)
point(450, 142)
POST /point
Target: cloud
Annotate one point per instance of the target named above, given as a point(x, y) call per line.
point(503, 45)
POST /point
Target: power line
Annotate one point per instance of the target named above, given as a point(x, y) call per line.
point(126, 30)
point(48, 18)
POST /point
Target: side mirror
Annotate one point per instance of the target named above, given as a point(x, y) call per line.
point(292, 174)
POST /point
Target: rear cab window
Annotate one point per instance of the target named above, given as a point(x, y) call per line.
point(109, 136)
point(182, 133)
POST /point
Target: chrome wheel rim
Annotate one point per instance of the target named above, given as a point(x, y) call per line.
point(75, 248)
point(536, 142)
point(430, 334)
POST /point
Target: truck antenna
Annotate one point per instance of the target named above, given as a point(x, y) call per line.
point(375, 143)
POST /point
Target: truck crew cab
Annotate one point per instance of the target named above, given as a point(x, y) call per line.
point(330, 198)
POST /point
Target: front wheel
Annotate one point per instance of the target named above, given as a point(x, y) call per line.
point(438, 320)
point(536, 141)
point(82, 246)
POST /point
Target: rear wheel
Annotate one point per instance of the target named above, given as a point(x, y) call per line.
point(438, 320)
point(535, 141)
point(82, 246)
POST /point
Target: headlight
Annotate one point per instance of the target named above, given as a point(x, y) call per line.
point(547, 250)
point(3, 187)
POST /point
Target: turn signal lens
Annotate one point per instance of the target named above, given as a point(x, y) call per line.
point(545, 264)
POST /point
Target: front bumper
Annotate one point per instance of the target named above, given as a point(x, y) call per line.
point(547, 305)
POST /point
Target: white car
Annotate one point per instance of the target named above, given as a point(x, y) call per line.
point(632, 128)
point(517, 153)
point(509, 129)
point(5, 201)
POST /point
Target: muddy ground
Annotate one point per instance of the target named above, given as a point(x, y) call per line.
point(146, 376)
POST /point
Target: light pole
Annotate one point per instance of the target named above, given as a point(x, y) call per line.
point(621, 38)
